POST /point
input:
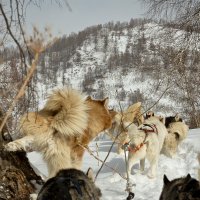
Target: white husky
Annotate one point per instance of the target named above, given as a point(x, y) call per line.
point(146, 141)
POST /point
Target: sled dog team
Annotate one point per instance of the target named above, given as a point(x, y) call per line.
point(67, 124)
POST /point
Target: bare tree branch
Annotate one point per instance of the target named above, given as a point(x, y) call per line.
point(11, 34)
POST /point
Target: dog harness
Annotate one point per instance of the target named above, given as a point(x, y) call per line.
point(152, 126)
point(153, 129)
point(135, 149)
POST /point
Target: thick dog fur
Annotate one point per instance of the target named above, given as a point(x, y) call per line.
point(152, 141)
point(61, 130)
point(70, 184)
point(177, 132)
point(186, 188)
point(117, 133)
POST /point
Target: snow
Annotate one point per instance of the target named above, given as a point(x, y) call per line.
point(113, 185)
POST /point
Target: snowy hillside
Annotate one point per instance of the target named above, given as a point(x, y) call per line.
point(127, 62)
point(113, 185)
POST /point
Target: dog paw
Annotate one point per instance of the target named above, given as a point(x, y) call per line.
point(13, 146)
point(151, 176)
point(33, 196)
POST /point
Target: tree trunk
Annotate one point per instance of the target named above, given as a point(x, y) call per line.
point(17, 177)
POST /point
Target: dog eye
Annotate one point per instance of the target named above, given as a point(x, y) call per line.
point(81, 182)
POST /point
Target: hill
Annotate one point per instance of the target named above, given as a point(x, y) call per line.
point(140, 60)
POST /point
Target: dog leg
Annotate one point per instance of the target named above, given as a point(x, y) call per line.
point(77, 157)
point(57, 157)
point(153, 168)
point(131, 161)
point(142, 164)
point(24, 143)
point(33, 196)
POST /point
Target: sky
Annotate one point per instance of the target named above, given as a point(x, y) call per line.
point(82, 14)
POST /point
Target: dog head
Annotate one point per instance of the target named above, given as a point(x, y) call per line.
point(100, 117)
point(133, 114)
point(180, 188)
point(149, 114)
point(70, 184)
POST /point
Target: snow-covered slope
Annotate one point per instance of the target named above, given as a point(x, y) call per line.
point(126, 64)
point(113, 185)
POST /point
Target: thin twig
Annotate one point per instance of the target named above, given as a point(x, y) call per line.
point(102, 161)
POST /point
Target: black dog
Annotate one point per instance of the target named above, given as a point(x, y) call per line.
point(186, 188)
point(70, 184)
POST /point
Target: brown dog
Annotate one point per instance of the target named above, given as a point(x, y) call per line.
point(61, 130)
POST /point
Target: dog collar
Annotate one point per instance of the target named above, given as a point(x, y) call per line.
point(135, 149)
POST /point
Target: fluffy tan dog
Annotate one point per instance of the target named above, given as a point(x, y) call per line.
point(118, 133)
point(177, 132)
point(61, 130)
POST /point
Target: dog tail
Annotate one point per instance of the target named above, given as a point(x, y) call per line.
point(180, 129)
point(69, 111)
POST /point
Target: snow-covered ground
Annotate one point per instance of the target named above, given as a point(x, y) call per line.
point(113, 185)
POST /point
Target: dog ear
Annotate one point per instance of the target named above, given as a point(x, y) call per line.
point(90, 174)
point(149, 114)
point(188, 177)
point(113, 113)
point(162, 119)
point(88, 98)
point(177, 117)
point(105, 102)
point(165, 180)
point(177, 136)
point(134, 108)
